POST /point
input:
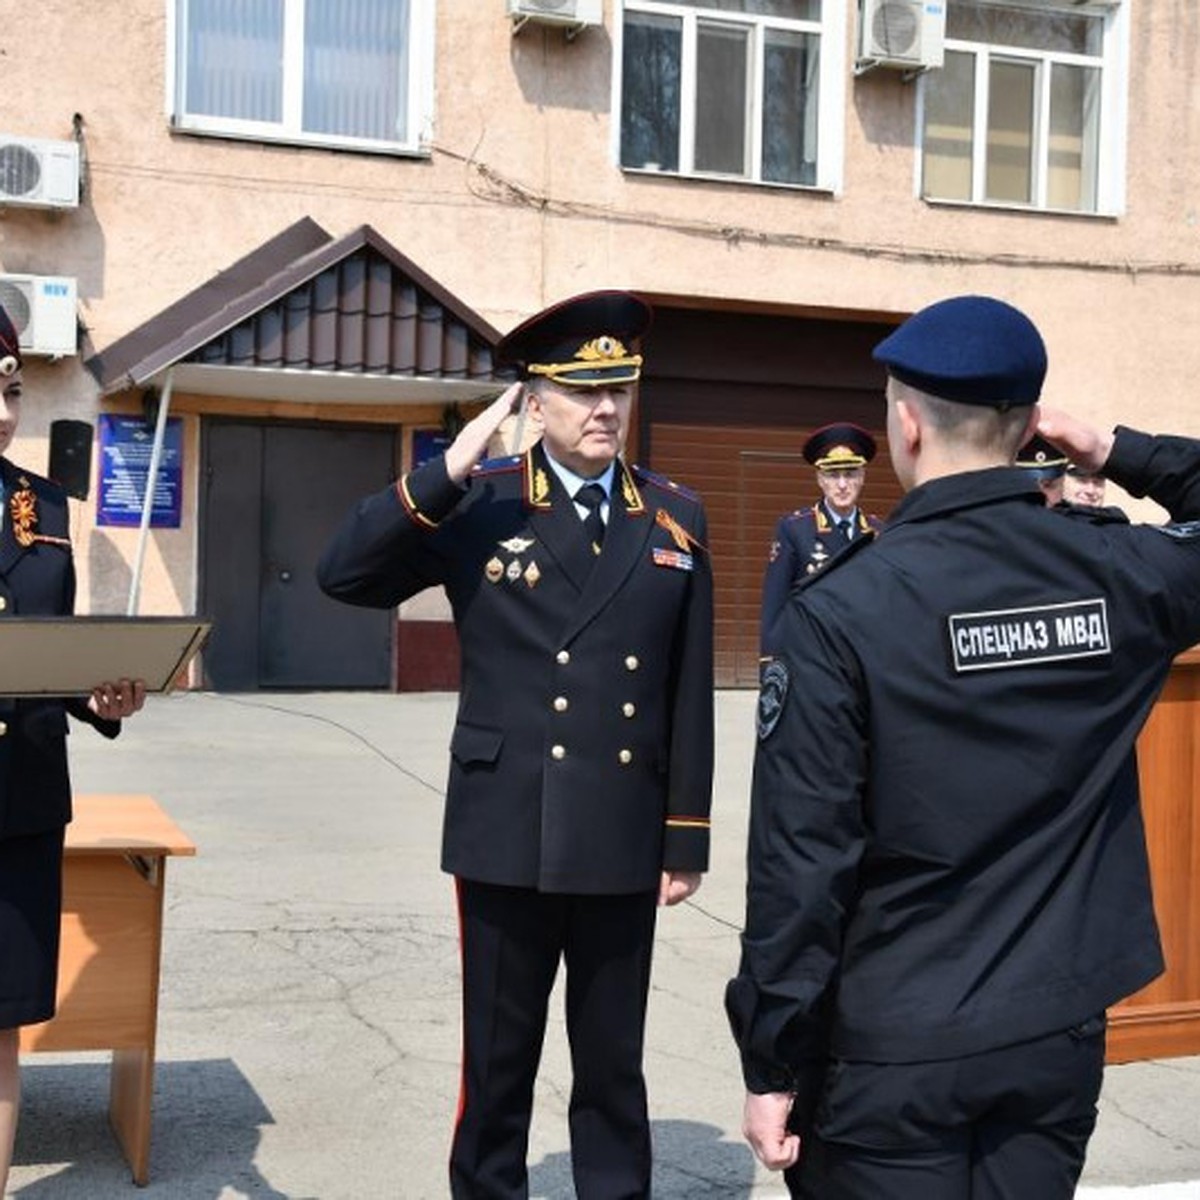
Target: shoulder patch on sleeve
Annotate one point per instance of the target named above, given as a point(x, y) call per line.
point(1181, 531)
point(661, 481)
point(772, 692)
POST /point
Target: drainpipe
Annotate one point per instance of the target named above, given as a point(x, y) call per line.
point(160, 433)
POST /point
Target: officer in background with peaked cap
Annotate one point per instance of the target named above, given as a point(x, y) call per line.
point(1046, 465)
point(948, 882)
point(581, 760)
point(807, 538)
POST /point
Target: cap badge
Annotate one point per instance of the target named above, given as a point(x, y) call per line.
point(601, 348)
point(8, 365)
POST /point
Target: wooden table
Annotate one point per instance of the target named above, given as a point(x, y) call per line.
point(1163, 1019)
point(114, 879)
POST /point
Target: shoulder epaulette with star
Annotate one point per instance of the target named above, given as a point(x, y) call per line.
point(661, 481)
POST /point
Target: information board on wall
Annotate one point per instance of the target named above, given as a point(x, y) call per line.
point(126, 443)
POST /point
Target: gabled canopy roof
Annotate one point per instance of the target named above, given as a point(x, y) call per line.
point(308, 317)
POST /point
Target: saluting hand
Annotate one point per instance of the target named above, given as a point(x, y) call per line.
point(472, 442)
point(1084, 445)
point(764, 1126)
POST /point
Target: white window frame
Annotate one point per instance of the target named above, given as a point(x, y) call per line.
point(831, 91)
point(1113, 63)
point(420, 95)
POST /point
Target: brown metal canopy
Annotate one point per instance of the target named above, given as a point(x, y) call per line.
point(310, 316)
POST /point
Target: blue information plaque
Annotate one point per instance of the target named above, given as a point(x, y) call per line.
point(126, 443)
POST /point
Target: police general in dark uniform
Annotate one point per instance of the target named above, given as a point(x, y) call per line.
point(948, 882)
point(805, 540)
point(581, 759)
point(37, 578)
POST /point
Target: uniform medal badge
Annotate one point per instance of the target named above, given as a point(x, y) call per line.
point(494, 570)
point(514, 570)
point(532, 574)
point(679, 535)
point(516, 545)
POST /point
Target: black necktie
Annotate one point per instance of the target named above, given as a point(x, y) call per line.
point(591, 496)
point(846, 526)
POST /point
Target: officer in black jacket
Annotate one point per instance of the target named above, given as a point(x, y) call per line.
point(948, 880)
point(37, 578)
point(581, 759)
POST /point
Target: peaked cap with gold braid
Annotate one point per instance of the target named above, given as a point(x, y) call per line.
point(840, 446)
point(587, 341)
point(10, 347)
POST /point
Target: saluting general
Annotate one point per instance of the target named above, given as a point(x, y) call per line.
point(581, 758)
point(948, 881)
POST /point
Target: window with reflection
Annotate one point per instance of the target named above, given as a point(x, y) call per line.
point(341, 72)
point(1018, 114)
point(726, 88)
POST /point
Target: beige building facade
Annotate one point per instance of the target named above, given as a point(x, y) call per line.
point(784, 179)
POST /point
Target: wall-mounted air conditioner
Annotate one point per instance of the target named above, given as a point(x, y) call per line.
point(42, 307)
point(39, 172)
point(576, 14)
point(903, 34)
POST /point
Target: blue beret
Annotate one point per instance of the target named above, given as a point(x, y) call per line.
point(971, 349)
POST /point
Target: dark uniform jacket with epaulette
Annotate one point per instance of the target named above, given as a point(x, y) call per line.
point(804, 541)
point(581, 759)
point(37, 578)
point(946, 849)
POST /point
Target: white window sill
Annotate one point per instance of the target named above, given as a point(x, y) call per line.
point(737, 180)
point(306, 141)
point(1028, 209)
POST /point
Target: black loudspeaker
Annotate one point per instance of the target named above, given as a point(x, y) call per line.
point(71, 456)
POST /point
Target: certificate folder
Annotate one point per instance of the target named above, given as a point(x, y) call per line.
point(68, 656)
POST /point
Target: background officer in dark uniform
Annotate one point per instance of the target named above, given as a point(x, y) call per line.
point(948, 882)
point(1046, 465)
point(581, 760)
point(806, 539)
point(37, 578)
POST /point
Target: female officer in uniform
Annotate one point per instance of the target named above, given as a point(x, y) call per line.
point(37, 577)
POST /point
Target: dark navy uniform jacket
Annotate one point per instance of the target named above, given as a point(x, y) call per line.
point(946, 849)
point(804, 541)
point(36, 579)
point(581, 759)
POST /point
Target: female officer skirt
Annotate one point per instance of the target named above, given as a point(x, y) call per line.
point(30, 913)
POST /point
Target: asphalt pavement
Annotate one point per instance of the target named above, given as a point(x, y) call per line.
point(308, 1037)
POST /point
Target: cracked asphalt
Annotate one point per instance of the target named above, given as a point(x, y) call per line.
point(308, 1023)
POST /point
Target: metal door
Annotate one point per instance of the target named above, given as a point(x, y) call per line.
point(274, 496)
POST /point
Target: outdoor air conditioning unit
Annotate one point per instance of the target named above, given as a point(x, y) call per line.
point(39, 172)
point(42, 307)
point(904, 34)
point(576, 14)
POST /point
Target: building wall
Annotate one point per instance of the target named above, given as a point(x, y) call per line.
point(519, 203)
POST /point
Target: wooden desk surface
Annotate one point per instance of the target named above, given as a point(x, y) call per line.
point(124, 824)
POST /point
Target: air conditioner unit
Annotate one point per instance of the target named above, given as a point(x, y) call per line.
point(573, 13)
point(39, 172)
point(905, 34)
point(42, 307)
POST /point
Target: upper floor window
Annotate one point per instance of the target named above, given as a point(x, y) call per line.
point(352, 73)
point(1028, 109)
point(733, 89)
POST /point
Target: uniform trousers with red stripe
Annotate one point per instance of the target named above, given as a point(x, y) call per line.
point(512, 942)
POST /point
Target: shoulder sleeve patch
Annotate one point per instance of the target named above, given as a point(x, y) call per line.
point(772, 692)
